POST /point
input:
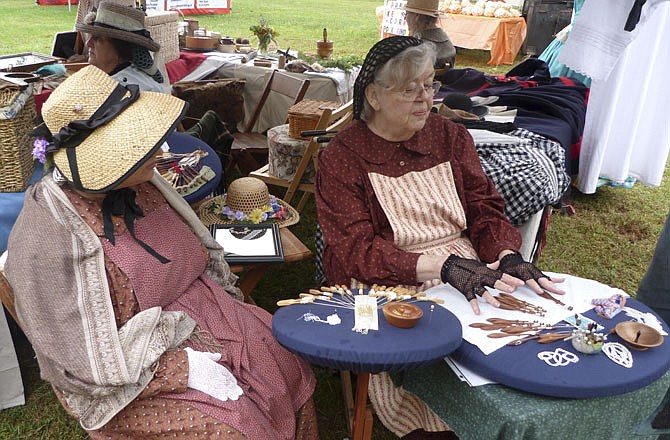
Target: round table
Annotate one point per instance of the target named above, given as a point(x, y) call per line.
point(390, 348)
point(183, 143)
point(593, 375)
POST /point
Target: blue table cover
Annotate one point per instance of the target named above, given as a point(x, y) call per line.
point(11, 204)
point(387, 349)
point(182, 143)
point(594, 375)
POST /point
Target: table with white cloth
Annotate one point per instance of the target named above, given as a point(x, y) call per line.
point(590, 397)
point(331, 85)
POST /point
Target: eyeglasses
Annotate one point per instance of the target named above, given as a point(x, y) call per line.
point(413, 93)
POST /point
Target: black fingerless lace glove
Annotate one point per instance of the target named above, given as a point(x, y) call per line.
point(468, 276)
point(513, 264)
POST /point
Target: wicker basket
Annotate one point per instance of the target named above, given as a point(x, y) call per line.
point(306, 114)
point(164, 29)
point(16, 159)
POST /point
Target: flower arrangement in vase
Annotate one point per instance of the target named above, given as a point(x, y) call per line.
point(265, 34)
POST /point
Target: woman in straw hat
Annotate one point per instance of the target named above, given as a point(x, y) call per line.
point(402, 200)
point(118, 43)
point(421, 17)
point(125, 296)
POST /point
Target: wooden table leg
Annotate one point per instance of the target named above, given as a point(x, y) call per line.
point(249, 281)
point(362, 416)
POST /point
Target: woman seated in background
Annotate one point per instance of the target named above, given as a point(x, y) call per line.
point(126, 297)
point(403, 200)
point(421, 17)
point(118, 43)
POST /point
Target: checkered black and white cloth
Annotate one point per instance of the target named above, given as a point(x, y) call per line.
point(527, 169)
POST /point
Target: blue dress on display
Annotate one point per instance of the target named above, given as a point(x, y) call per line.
point(550, 54)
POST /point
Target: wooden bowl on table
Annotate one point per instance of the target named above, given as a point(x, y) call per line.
point(638, 336)
point(401, 314)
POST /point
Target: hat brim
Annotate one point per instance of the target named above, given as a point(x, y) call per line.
point(480, 110)
point(114, 151)
point(208, 217)
point(424, 12)
point(119, 35)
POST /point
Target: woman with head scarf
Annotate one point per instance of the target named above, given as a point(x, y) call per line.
point(402, 200)
point(126, 297)
point(118, 43)
point(421, 17)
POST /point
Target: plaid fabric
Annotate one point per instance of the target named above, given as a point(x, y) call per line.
point(529, 175)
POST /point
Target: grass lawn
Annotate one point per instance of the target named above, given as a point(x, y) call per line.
point(610, 238)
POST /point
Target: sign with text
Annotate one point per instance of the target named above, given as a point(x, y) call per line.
point(188, 7)
point(393, 21)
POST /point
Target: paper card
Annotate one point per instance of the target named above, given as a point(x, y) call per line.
point(365, 313)
point(583, 322)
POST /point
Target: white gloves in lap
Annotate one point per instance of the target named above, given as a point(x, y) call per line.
point(206, 375)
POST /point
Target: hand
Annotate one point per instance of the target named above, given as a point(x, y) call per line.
point(206, 375)
point(514, 265)
point(471, 276)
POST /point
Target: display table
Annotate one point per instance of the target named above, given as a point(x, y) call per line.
point(503, 412)
point(333, 85)
point(502, 36)
point(390, 348)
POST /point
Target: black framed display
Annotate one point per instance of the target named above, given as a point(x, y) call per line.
point(249, 243)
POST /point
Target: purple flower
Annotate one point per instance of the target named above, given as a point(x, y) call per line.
point(40, 149)
point(239, 215)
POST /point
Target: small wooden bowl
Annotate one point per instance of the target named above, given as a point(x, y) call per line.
point(402, 315)
point(648, 336)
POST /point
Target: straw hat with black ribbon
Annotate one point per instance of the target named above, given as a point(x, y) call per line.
point(247, 201)
point(424, 7)
point(125, 23)
point(104, 131)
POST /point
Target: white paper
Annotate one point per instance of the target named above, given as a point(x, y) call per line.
point(365, 313)
point(252, 244)
point(467, 375)
point(579, 293)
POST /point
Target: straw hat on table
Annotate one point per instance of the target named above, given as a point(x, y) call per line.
point(247, 201)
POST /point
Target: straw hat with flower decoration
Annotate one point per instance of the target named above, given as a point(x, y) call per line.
point(247, 201)
point(104, 131)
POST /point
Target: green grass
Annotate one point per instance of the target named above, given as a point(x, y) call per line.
point(610, 238)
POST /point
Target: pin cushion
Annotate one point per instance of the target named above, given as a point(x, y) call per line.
point(402, 315)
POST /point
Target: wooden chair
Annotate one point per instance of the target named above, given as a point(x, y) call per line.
point(248, 143)
point(7, 296)
point(331, 120)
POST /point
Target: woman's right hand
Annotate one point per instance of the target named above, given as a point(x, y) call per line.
point(207, 375)
point(471, 277)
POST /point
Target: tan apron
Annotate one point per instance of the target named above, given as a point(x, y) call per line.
point(425, 213)
point(427, 217)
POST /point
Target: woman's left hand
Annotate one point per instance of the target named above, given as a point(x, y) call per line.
point(513, 264)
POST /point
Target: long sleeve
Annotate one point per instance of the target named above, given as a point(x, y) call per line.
point(356, 233)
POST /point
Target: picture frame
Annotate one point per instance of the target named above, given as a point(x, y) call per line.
point(249, 243)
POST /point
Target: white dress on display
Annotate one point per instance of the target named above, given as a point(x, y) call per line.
point(627, 129)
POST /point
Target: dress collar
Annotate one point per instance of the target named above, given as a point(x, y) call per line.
point(363, 142)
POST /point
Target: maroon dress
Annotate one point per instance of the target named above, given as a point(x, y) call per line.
point(275, 383)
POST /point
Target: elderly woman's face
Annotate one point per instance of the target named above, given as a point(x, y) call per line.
point(102, 53)
point(143, 174)
point(399, 114)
